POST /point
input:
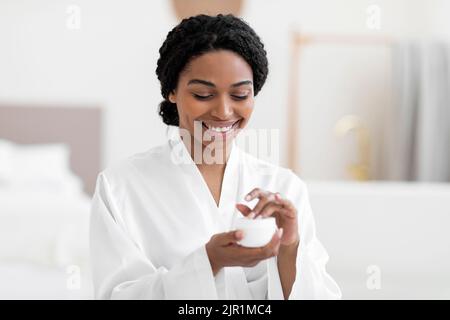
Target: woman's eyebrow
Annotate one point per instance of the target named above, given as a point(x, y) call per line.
point(241, 83)
point(210, 84)
point(206, 83)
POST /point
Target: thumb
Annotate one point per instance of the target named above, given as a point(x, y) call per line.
point(232, 237)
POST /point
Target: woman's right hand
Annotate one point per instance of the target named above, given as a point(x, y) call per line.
point(224, 251)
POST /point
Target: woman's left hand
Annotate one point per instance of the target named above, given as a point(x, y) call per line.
point(272, 204)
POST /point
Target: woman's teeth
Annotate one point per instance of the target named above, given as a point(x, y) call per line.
point(220, 129)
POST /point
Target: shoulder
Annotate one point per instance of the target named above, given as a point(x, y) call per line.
point(264, 167)
point(282, 177)
point(127, 168)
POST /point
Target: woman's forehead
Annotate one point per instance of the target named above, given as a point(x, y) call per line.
point(218, 67)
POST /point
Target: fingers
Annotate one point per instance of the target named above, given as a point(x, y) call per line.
point(269, 250)
point(288, 207)
point(249, 257)
point(268, 204)
point(264, 198)
point(231, 237)
point(263, 201)
point(275, 203)
point(270, 208)
point(244, 209)
point(253, 194)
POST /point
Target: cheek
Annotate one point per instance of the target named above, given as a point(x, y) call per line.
point(190, 108)
point(246, 109)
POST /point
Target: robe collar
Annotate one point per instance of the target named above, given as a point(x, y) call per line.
point(180, 154)
point(231, 184)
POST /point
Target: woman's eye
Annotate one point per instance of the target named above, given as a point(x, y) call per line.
point(202, 97)
point(240, 97)
point(208, 96)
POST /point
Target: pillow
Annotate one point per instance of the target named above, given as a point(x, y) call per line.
point(5, 161)
point(37, 167)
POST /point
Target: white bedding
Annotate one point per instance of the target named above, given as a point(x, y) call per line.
point(43, 243)
point(33, 281)
point(44, 228)
point(44, 225)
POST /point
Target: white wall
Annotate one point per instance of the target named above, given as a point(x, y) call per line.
point(111, 61)
point(338, 80)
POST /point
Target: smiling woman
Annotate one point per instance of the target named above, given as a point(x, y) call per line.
point(162, 225)
point(219, 60)
point(216, 88)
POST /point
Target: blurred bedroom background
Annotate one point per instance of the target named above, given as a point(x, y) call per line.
point(359, 91)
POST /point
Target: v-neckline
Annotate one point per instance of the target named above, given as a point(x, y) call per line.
point(213, 185)
point(231, 167)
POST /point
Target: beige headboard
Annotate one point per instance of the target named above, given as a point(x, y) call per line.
point(78, 127)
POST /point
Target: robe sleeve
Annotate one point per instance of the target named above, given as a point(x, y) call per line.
point(312, 280)
point(257, 281)
point(120, 270)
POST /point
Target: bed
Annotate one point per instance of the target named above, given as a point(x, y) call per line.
point(49, 161)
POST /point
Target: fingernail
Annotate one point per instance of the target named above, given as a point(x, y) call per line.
point(251, 215)
point(239, 234)
point(258, 217)
point(247, 197)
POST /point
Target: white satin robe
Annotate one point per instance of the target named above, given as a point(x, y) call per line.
point(152, 215)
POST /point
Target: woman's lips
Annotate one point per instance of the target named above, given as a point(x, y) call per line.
point(219, 124)
point(223, 134)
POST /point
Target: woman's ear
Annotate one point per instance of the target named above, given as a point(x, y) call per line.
point(173, 97)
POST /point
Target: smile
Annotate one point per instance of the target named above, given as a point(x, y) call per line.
point(217, 127)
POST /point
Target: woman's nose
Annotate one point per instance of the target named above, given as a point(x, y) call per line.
point(224, 110)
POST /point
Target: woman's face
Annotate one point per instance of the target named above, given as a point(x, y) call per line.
point(215, 90)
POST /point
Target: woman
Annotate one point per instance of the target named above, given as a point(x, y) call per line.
point(161, 220)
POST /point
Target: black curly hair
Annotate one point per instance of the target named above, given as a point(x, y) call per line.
point(197, 35)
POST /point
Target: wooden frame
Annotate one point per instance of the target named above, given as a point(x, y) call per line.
point(299, 41)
